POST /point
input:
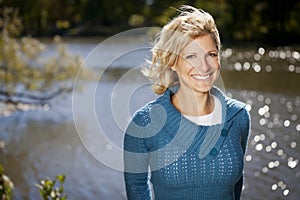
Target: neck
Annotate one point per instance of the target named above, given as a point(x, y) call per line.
point(193, 103)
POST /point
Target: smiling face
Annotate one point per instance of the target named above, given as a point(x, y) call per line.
point(198, 65)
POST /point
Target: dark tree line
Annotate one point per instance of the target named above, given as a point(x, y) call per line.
point(269, 21)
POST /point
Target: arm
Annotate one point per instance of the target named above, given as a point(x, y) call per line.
point(136, 171)
point(244, 138)
point(136, 166)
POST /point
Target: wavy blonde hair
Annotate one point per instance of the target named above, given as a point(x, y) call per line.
point(190, 24)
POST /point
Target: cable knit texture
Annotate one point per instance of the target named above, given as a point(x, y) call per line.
point(185, 161)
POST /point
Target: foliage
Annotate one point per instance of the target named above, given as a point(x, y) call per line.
point(48, 191)
point(47, 188)
point(6, 186)
point(239, 20)
point(25, 75)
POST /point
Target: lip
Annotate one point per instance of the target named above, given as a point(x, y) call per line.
point(201, 77)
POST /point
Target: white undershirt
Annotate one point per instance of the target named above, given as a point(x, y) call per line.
point(213, 118)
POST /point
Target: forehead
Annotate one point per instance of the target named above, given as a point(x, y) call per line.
point(200, 44)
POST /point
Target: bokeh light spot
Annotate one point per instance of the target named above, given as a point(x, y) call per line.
point(293, 144)
point(286, 192)
point(259, 147)
point(274, 187)
point(286, 123)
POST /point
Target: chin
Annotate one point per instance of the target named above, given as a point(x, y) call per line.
point(203, 87)
point(202, 90)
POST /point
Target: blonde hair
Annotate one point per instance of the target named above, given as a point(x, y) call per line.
point(190, 24)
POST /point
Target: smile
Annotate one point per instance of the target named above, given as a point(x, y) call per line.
point(201, 77)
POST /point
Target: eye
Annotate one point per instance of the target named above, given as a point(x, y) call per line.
point(191, 56)
point(212, 54)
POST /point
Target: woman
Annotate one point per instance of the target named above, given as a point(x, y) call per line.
point(190, 142)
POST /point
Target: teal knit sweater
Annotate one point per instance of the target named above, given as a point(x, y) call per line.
point(183, 160)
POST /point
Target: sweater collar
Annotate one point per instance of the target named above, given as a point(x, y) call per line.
point(185, 130)
point(230, 107)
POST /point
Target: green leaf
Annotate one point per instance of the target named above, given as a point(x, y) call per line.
point(61, 178)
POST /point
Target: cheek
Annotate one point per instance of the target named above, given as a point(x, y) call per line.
point(217, 64)
point(182, 67)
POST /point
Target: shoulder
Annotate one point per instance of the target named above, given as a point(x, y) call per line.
point(240, 117)
point(152, 109)
point(147, 121)
point(235, 104)
point(236, 108)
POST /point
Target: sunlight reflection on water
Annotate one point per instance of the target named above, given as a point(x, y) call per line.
point(273, 155)
point(261, 60)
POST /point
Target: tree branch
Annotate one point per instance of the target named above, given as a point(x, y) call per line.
point(27, 98)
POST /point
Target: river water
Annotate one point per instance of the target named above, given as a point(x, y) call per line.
point(81, 134)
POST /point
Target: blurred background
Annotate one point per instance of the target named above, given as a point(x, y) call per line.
point(268, 21)
point(45, 43)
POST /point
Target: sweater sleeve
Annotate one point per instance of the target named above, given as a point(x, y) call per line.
point(245, 132)
point(136, 158)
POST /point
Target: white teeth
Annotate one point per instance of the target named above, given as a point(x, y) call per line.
point(198, 77)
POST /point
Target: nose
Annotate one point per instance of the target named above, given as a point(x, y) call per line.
point(203, 64)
